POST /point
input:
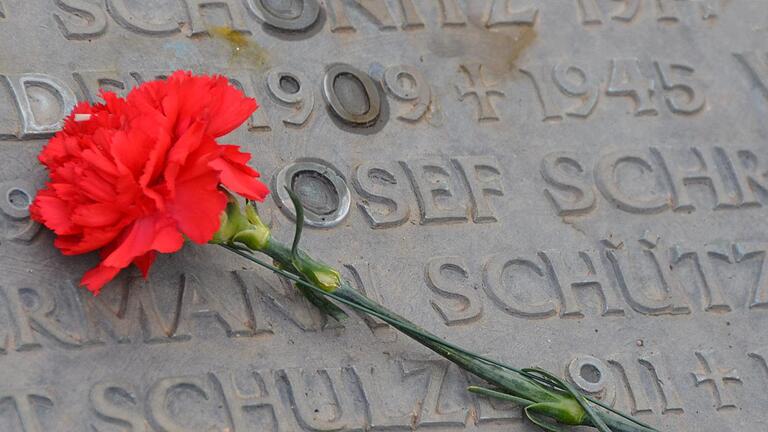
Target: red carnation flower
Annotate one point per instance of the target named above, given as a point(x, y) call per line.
point(132, 177)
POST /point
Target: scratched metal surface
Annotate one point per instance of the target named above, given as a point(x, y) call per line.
point(575, 184)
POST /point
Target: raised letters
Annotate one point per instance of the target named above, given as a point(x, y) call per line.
point(482, 176)
point(498, 270)
point(571, 192)
point(40, 120)
point(351, 95)
point(703, 260)
point(24, 401)
point(757, 67)
point(439, 196)
point(455, 301)
point(123, 16)
point(501, 13)
point(565, 275)
point(408, 84)
point(197, 21)
point(15, 198)
point(481, 91)
point(335, 412)
point(101, 397)
point(382, 187)
point(717, 378)
point(299, 16)
point(627, 80)
point(84, 20)
point(748, 250)
point(290, 88)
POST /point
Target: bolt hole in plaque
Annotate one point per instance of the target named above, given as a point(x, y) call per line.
point(19, 198)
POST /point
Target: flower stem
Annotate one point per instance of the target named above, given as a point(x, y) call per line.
point(548, 398)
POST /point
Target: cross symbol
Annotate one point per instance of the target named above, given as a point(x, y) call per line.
point(717, 377)
point(481, 90)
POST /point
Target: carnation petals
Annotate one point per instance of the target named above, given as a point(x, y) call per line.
point(133, 177)
point(237, 176)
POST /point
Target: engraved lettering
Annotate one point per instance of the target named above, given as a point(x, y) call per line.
point(592, 375)
point(280, 297)
point(299, 15)
point(666, 298)
point(691, 100)
point(670, 397)
point(380, 184)
point(452, 13)
point(571, 192)
point(608, 179)
point(456, 301)
point(408, 84)
point(482, 177)
point(411, 17)
point(574, 81)
point(703, 261)
point(629, 10)
point(375, 10)
point(84, 20)
point(288, 87)
point(91, 82)
point(137, 314)
point(566, 276)
point(334, 411)
point(372, 383)
point(40, 120)
point(102, 398)
point(362, 275)
point(351, 95)
point(716, 377)
point(590, 12)
point(439, 197)
point(541, 77)
point(757, 67)
point(707, 173)
point(161, 391)
point(197, 301)
point(35, 309)
point(501, 14)
point(481, 91)
point(627, 80)
point(749, 250)
point(24, 402)
point(745, 170)
point(433, 412)
point(199, 25)
point(630, 370)
point(496, 274)
point(255, 391)
point(123, 16)
point(15, 198)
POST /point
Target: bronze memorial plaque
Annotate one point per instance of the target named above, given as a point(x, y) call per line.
point(580, 185)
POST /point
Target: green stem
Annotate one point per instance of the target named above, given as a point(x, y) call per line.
point(560, 404)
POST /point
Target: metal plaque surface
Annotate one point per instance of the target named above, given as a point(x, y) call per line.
point(579, 185)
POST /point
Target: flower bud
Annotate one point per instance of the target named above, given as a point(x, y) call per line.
point(320, 274)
